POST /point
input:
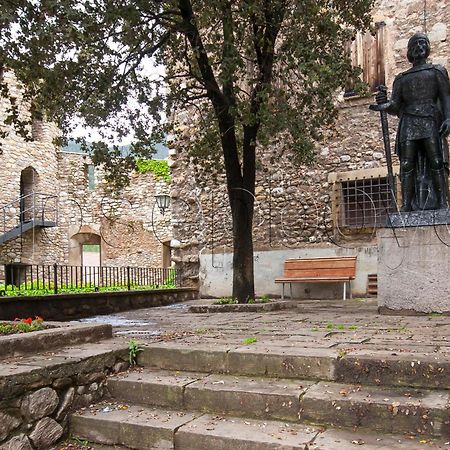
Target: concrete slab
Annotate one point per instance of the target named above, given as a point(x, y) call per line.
point(177, 356)
point(388, 410)
point(152, 387)
point(212, 432)
point(246, 396)
point(134, 427)
point(284, 362)
point(346, 440)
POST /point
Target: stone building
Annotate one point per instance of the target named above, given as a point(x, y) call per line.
point(57, 208)
point(331, 207)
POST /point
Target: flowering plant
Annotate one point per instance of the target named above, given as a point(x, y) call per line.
point(25, 325)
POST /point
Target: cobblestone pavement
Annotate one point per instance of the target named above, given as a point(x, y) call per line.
point(348, 326)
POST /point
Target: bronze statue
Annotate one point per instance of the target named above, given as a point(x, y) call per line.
point(421, 99)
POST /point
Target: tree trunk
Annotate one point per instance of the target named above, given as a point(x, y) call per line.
point(242, 204)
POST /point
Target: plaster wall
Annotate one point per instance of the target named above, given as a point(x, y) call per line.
point(216, 273)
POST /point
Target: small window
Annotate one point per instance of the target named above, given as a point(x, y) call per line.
point(367, 52)
point(364, 203)
point(91, 176)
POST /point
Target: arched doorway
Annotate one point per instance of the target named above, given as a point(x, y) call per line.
point(28, 182)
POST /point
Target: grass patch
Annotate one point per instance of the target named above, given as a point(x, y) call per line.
point(249, 341)
point(226, 301)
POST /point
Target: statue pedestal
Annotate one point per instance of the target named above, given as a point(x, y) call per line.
point(414, 269)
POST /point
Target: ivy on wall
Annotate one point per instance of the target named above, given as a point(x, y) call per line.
point(159, 168)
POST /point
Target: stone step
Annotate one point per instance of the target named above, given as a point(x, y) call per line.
point(146, 428)
point(134, 427)
point(388, 410)
point(385, 368)
point(265, 398)
point(405, 410)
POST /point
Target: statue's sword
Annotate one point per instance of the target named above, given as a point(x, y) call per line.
point(387, 147)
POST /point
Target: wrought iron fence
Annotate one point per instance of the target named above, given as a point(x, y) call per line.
point(54, 279)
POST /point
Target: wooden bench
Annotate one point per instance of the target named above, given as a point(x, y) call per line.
point(319, 270)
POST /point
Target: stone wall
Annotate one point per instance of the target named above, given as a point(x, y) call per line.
point(34, 404)
point(122, 221)
point(127, 225)
point(296, 205)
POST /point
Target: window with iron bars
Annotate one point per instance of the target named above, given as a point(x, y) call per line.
point(364, 203)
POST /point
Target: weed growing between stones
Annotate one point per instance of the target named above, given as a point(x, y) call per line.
point(133, 351)
point(250, 340)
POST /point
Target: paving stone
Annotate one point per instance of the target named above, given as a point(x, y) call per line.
point(152, 387)
point(389, 410)
point(211, 432)
point(135, 427)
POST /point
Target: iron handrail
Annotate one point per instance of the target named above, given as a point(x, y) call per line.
point(39, 198)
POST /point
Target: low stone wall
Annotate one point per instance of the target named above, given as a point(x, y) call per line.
point(57, 335)
point(64, 307)
point(35, 401)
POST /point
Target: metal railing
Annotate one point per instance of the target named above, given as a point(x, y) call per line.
point(54, 279)
point(35, 206)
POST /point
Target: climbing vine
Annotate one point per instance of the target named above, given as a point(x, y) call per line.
point(159, 168)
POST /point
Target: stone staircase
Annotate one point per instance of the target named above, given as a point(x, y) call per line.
point(208, 397)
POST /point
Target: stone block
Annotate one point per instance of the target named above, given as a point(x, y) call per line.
point(46, 432)
point(20, 442)
point(40, 403)
point(413, 269)
point(8, 423)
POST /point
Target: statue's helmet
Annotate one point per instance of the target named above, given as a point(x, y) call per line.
point(412, 44)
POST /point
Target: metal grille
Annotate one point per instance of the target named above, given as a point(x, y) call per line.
point(365, 203)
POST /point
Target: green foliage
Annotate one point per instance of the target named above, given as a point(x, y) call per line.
point(21, 326)
point(249, 341)
point(159, 168)
point(225, 301)
point(133, 351)
point(244, 73)
point(31, 290)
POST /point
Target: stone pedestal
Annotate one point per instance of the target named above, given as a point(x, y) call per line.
point(414, 269)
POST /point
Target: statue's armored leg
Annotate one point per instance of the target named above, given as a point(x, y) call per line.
point(437, 172)
point(440, 184)
point(408, 182)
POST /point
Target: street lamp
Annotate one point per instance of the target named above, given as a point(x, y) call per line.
point(163, 202)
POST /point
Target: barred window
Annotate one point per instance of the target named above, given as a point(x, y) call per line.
point(367, 52)
point(364, 203)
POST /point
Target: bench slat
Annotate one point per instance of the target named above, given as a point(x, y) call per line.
point(323, 264)
point(324, 273)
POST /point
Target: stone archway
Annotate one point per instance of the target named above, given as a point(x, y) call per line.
point(28, 182)
point(85, 248)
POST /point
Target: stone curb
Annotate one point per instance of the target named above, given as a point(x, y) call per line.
point(244, 308)
point(59, 335)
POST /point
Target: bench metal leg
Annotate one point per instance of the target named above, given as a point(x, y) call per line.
point(350, 289)
point(282, 292)
point(345, 290)
point(290, 287)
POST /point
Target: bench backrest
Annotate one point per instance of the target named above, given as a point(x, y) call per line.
point(341, 266)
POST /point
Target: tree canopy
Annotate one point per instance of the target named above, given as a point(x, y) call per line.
point(253, 71)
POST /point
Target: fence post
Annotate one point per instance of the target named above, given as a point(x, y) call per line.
point(128, 278)
point(55, 278)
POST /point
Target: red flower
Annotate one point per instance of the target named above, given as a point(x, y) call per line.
point(29, 320)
